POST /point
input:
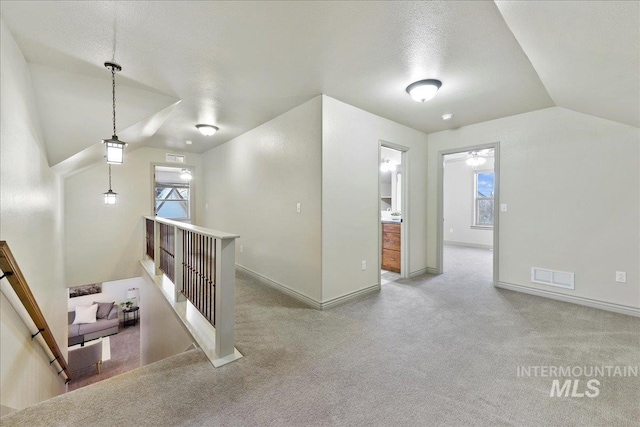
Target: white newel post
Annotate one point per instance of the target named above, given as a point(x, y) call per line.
point(178, 266)
point(225, 290)
point(156, 247)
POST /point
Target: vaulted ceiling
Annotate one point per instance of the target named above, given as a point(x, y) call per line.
point(240, 64)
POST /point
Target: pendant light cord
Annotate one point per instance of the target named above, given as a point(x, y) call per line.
point(109, 176)
point(113, 96)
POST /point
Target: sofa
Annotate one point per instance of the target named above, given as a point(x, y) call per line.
point(83, 332)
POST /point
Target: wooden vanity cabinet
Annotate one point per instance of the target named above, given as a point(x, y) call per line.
point(391, 247)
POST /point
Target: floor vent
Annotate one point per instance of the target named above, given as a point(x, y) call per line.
point(560, 279)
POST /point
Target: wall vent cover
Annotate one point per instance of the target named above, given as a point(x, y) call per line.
point(175, 158)
point(560, 279)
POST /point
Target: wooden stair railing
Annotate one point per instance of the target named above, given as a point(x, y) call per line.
point(12, 273)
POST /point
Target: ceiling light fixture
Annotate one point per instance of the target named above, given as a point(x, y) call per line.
point(115, 147)
point(475, 160)
point(387, 166)
point(186, 175)
point(189, 142)
point(424, 90)
point(447, 116)
point(207, 130)
point(110, 196)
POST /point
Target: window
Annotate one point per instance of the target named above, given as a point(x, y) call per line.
point(172, 194)
point(483, 199)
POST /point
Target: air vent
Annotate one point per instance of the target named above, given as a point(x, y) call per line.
point(175, 158)
point(560, 279)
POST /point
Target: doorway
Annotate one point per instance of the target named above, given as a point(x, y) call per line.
point(173, 198)
point(393, 228)
point(468, 220)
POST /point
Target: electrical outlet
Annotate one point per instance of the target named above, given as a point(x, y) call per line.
point(241, 249)
point(298, 208)
point(621, 276)
point(364, 265)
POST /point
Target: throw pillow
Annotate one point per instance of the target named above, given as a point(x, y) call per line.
point(104, 308)
point(85, 314)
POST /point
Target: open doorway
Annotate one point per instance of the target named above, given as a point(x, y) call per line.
point(173, 198)
point(468, 220)
point(393, 213)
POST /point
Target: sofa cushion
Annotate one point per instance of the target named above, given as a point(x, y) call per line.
point(85, 314)
point(102, 324)
point(104, 308)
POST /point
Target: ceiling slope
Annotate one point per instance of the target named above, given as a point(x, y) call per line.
point(240, 64)
point(75, 110)
point(587, 53)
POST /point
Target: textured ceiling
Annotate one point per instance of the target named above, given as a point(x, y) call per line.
point(240, 64)
point(587, 54)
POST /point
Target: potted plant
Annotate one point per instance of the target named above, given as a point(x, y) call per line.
point(126, 305)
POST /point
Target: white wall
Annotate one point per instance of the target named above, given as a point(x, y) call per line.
point(571, 184)
point(350, 205)
point(458, 205)
point(162, 334)
point(104, 243)
point(252, 186)
point(31, 223)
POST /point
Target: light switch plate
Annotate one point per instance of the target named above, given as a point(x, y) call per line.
point(364, 265)
point(503, 207)
point(298, 207)
point(621, 276)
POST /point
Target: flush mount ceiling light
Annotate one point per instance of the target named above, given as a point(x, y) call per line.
point(186, 174)
point(447, 116)
point(424, 90)
point(207, 130)
point(110, 196)
point(475, 160)
point(115, 147)
point(386, 165)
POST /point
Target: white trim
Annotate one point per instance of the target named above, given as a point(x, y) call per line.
point(282, 288)
point(312, 303)
point(418, 272)
point(468, 245)
point(602, 305)
point(433, 271)
point(350, 296)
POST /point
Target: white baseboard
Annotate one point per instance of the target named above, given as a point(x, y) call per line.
point(468, 245)
point(418, 272)
point(607, 306)
point(349, 297)
point(433, 270)
point(282, 288)
point(304, 298)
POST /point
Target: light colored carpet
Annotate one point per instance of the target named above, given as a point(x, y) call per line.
point(431, 351)
point(125, 357)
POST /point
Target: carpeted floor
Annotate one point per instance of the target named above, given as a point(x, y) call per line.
point(125, 357)
point(430, 351)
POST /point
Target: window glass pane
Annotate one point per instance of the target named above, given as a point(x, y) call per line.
point(171, 209)
point(484, 212)
point(485, 184)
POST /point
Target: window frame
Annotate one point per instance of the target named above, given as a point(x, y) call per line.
point(476, 199)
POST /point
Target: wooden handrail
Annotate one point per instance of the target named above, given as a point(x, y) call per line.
point(9, 267)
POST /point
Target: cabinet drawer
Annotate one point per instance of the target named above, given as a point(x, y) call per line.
point(391, 241)
point(391, 228)
point(391, 260)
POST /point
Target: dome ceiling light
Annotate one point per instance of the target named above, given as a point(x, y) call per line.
point(185, 174)
point(207, 130)
point(424, 90)
point(475, 159)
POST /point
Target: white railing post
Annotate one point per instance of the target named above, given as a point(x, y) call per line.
point(178, 266)
point(156, 247)
point(225, 291)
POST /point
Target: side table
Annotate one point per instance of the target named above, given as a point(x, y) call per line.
point(131, 316)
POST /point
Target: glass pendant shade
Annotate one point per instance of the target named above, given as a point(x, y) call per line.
point(115, 150)
point(110, 197)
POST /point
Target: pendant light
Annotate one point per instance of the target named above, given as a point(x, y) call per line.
point(115, 147)
point(110, 196)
